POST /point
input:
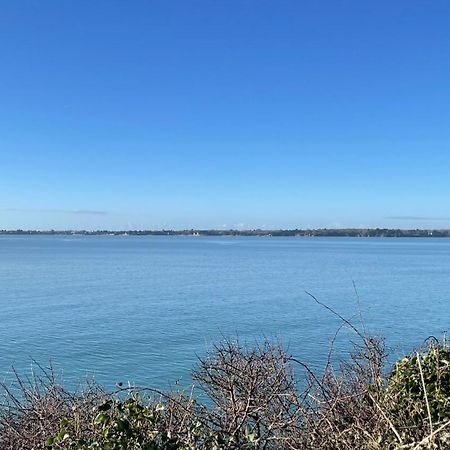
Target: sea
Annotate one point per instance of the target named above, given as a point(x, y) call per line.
point(144, 309)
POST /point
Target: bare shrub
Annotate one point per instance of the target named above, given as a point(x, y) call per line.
point(256, 403)
point(251, 400)
point(34, 408)
point(340, 411)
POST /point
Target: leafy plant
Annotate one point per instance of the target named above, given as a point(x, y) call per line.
point(418, 392)
point(117, 425)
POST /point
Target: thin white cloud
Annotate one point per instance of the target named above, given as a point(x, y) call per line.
point(85, 212)
point(419, 218)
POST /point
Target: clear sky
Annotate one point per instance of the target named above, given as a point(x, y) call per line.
point(224, 113)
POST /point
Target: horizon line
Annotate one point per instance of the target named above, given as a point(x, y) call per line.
point(221, 230)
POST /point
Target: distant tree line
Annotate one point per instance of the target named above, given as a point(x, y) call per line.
point(320, 232)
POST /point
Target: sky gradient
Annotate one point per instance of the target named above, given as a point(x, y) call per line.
point(224, 114)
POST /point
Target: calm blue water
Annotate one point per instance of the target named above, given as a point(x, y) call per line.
point(141, 308)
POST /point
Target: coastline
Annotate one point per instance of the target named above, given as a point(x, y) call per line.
point(320, 232)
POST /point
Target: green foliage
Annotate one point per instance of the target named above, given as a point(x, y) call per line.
point(117, 425)
point(417, 397)
point(132, 424)
point(405, 386)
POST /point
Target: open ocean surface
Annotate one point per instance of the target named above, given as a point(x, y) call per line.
point(140, 309)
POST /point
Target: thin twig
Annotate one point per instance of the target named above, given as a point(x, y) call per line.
point(387, 419)
point(425, 392)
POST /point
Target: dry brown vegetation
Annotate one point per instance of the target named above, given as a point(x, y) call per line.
point(254, 401)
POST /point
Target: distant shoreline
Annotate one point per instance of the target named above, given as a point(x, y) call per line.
point(320, 232)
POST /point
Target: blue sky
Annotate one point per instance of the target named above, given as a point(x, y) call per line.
point(151, 114)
